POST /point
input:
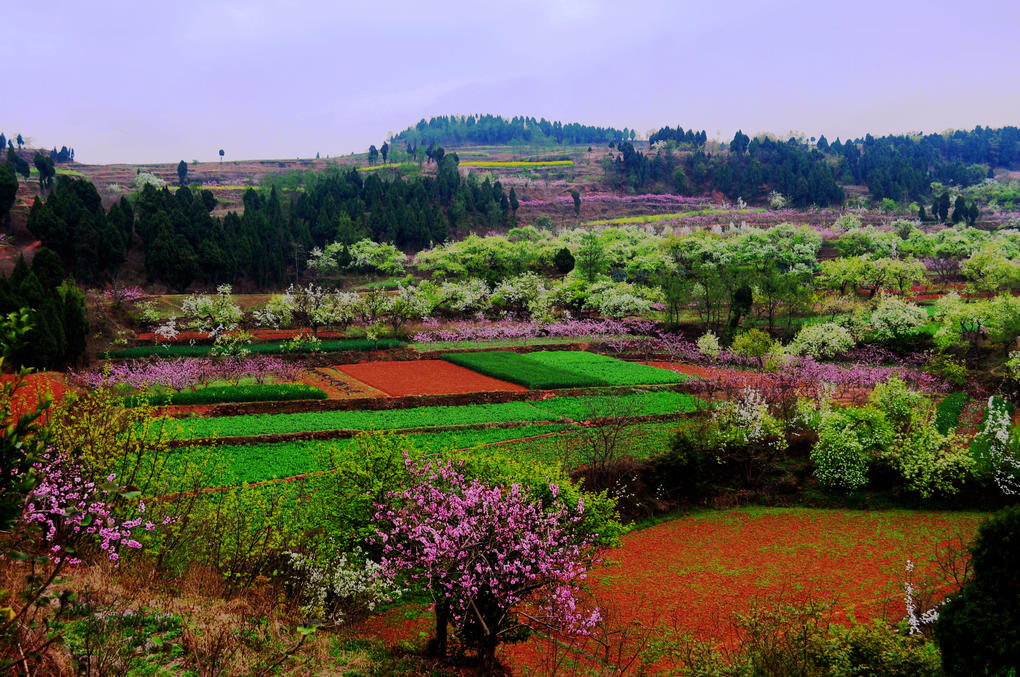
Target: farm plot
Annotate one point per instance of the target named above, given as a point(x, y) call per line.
point(232, 464)
point(424, 377)
point(267, 348)
point(692, 575)
point(389, 419)
point(550, 410)
point(562, 369)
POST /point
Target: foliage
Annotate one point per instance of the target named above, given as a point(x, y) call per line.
point(978, 629)
point(948, 411)
point(848, 441)
point(754, 344)
point(822, 341)
point(995, 448)
point(21, 447)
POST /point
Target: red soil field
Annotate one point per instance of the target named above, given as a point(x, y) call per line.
point(692, 574)
point(424, 377)
point(35, 386)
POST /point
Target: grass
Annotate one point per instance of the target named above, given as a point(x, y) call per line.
point(269, 347)
point(231, 393)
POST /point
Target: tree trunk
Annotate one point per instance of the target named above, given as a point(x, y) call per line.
point(442, 627)
point(487, 656)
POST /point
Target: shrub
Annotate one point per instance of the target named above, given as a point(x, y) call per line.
point(848, 440)
point(822, 341)
point(895, 320)
point(753, 344)
point(947, 413)
point(709, 346)
point(931, 462)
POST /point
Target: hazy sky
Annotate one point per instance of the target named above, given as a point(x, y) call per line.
point(159, 82)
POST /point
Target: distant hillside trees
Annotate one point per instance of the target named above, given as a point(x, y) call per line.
point(679, 137)
point(495, 129)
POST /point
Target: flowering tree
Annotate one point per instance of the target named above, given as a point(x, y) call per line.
point(212, 313)
point(492, 557)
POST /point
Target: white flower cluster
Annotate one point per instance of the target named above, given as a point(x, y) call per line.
point(340, 587)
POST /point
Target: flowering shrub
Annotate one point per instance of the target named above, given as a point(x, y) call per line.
point(931, 462)
point(487, 331)
point(482, 551)
point(708, 344)
point(822, 341)
point(72, 509)
point(213, 314)
point(994, 448)
point(341, 587)
point(185, 372)
point(895, 320)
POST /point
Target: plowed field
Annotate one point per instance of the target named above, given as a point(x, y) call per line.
point(424, 377)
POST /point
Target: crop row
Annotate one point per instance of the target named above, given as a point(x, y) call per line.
point(266, 348)
point(577, 408)
point(231, 464)
point(267, 392)
point(561, 369)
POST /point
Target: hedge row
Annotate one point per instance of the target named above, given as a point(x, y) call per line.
point(948, 411)
point(269, 347)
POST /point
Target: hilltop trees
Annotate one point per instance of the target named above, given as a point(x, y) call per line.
point(46, 170)
point(182, 173)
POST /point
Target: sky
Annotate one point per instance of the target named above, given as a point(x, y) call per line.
point(141, 82)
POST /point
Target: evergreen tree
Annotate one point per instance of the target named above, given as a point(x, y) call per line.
point(8, 192)
point(48, 268)
point(182, 173)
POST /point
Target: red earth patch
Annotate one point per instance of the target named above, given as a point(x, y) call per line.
point(424, 377)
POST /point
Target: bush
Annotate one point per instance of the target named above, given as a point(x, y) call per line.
point(978, 629)
point(895, 320)
point(709, 346)
point(848, 441)
point(822, 341)
point(753, 344)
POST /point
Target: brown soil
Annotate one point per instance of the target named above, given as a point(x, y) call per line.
point(425, 377)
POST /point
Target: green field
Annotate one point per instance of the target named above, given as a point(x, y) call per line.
point(578, 408)
point(267, 392)
point(561, 369)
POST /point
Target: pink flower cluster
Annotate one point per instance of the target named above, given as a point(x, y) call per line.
point(483, 550)
point(187, 372)
point(71, 508)
point(124, 294)
point(480, 331)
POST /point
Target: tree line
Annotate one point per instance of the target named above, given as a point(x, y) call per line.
point(453, 130)
point(184, 243)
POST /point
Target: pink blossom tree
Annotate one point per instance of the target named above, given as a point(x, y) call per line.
point(494, 558)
